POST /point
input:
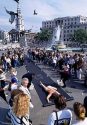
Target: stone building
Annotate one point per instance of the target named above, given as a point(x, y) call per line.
point(69, 24)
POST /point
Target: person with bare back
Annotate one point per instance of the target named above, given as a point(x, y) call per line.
point(52, 91)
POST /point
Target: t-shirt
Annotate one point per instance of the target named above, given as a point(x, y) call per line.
point(84, 122)
point(62, 115)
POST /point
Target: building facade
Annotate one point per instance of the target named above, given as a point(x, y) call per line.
point(4, 36)
point(69, 24)
point(27, 39)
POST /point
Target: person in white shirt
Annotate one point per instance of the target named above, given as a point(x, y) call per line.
point(54, 58)
point(24, 88)
point(80, 113)
point(61, 115)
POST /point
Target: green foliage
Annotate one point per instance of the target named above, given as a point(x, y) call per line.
point(79, 36)
point(43, 35)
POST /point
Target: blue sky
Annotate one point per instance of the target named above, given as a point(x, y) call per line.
point(47, 9)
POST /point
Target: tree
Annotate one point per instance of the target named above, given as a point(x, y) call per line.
point(43, 35)
point(79, 36)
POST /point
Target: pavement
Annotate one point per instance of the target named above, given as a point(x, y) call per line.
point(39, 115)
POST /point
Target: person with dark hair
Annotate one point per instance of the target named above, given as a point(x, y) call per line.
point(63, 116)
point(65, 75)
point(85, 104)
point(80, 113)
point(52, 91)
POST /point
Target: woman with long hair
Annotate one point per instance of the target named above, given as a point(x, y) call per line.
point(80, 113)
point(20, 110)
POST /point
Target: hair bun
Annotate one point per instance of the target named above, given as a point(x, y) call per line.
point(82, 115)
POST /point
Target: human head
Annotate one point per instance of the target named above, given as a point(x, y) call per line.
point(13, 71)
point(79, 110)
point(85, 104)
point(25, 82)
point(21, 105)
point(60, 102)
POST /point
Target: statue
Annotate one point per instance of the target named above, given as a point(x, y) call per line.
point(17, 17)
point(12, 14)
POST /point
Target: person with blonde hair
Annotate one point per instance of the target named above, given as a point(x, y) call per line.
point(80, 113)
point(20, 110)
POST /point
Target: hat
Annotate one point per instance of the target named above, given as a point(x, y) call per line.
point(14, 80)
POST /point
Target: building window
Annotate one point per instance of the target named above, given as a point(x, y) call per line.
point(74, 30)
point(71, 26)
point(67, 31)
point(64, 40)
point(64, 31)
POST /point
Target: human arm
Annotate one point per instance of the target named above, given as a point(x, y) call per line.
point(45, 87)
point(48, 97)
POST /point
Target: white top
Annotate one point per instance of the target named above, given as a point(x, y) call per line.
point(55, 59)
point(8, 60)
point(84, 122)
point(62, 115)
point(25, 90)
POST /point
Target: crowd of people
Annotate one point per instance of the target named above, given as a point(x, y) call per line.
point(67, 64)
point(12, 58)
point(20, 100)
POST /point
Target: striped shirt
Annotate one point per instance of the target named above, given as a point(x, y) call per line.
point(19, 120)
